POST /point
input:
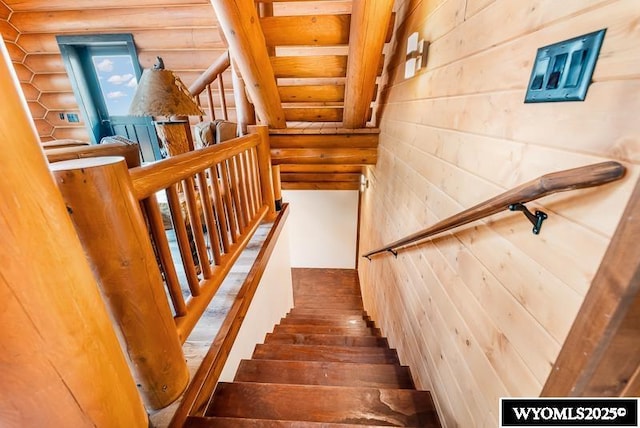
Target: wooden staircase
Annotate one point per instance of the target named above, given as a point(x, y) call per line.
point(325, 364)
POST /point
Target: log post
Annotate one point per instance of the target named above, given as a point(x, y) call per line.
point(264, 165)
point(277, 186)
point(245, 113)
point(61, 363)
point(107, 216)
point(239, 21)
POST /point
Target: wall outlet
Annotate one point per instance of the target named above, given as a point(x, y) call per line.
point(562, 71)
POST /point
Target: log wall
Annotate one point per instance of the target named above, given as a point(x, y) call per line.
point(184, 32)
point(482, 313)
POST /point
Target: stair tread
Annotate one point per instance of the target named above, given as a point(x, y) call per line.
point(327, 329)
point(228, 422)
point(325, 339)
point(329, 301)
point(324, 404)
point(337, 322)
point(324, 373)
point(325, 353)
point(327, 312)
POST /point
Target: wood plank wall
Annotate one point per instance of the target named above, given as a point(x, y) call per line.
point(184, 32)
point(482, 313)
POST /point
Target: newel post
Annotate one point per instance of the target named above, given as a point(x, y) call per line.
point(107, 216)
point(264, 165)
point(61, 364)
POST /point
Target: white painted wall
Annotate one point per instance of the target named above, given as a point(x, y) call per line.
point(272, 300)
point(324, 226)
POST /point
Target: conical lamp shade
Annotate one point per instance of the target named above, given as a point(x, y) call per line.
point(161, 93)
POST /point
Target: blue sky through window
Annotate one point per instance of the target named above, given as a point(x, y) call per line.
point(117, 81)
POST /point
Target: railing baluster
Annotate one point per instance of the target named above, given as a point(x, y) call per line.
point(223, 99)
point(237, 173)
point(219, 207)
point(212, 109)
point(228, 198)
point(250, 182)
point(180, 229)
point(196, 227)
point(209, 216)
point(255, 174)
point(200, 118)
point(156, 226)
point(242, 176)
point(235, 193)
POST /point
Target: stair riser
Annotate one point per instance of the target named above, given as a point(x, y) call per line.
point(315, 329)
point(325, 353)
point(324, 404)
point(324, 373)
point(326, 339)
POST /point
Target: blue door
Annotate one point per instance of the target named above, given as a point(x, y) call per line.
point(104, 72)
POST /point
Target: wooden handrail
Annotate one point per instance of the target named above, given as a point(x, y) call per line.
point(209, 76)
point(561, 181)
point(151, 178)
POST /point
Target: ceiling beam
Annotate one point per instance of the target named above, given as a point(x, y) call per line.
point(241, 26)
point(369, 23)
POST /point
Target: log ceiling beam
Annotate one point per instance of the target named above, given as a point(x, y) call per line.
point(369, 24)
point(241, 26)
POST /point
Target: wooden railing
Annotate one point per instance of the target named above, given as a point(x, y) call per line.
point(561, 181)
point(202, 85)
point(217, 190)
point(215, 199)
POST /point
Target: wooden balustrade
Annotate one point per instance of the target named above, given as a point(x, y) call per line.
point(209, 202)
point(226, 192)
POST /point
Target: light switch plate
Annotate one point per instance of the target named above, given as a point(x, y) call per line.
point(562, 71)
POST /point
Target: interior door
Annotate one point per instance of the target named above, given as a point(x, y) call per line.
point(104, 73)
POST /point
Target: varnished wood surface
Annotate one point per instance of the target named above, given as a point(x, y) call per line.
point(203, 383)
point(344, 354)
point(369, 29)
point(61, 359)
point(239, 22)
point(149, 179)
point(561, 181)
point(313, 114)
point(223, 422)
point(601, 355)
point(309, 66)
point(324, 373)
point(116, 240)
point(306, 403)
point(511, 296)
point(306, 30)
point(304, 374)
point(357, 156)
point(311, 93)
point(324, 339)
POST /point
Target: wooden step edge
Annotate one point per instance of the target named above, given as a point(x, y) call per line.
point(329, 404)
point(228, 422)
point(320, 339)
point(370, 355)
point(314, 329)
point(328, 373)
